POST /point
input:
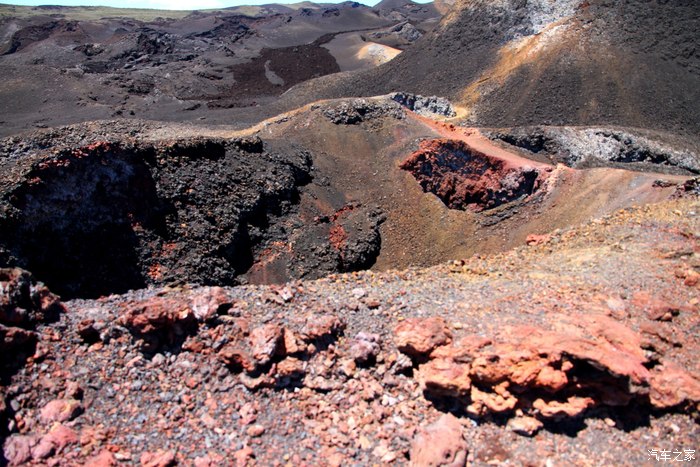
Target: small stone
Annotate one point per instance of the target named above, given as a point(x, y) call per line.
point(358, 292)
point(158, 459)
point(61, 410)
point(265, 342)
point(365, 348)
point(208, 301)
point(103, 459)
point(242, 455)
point(74, 391)
point(418, 337)
point(440, 444)
point(18, 449)
point(526, 426)
point(255, 430)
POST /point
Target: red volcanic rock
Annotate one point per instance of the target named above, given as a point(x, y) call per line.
point(418, 337)
point(440, 444)
point(236, 356)
point(18, 449)
point(12, 338)
point(54, 441)
point(465, 178)
point(530, 364)
point(526, 426)
point(242, 455)
point(656, 308)
point(573, 407)
point(209, 460)
point(265, 342)
point(158, 459)
point(103, 459)
point(365, 347)
point(207, 301)
point(318, 327)
point(291, 342)
point(290, 368)
point(61, 410)
point(534, 239)
point(672, 386)
point(255, 351)
point(157, 314)
point(445, 377)
point(24, 302)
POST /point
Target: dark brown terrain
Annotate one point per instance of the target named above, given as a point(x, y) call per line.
point(342, 235)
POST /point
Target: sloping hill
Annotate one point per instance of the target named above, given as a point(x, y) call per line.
point(510, 63)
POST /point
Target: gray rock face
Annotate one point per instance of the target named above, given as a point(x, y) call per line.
point(431, 105)
point(595, 147)
point(405, 31)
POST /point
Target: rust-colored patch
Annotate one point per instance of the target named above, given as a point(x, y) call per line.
point(338, 237)
point(464, 178)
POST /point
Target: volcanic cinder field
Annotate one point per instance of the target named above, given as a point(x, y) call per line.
point(445, 234)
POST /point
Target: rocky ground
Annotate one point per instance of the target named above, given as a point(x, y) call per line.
point(508, 277)
point(580, 348)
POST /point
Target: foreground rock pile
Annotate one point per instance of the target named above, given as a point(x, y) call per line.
point(582, 337)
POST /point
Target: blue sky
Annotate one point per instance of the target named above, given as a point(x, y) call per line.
point(167, 4)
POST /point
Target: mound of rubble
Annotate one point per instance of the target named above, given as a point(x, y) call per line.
point(581, 337)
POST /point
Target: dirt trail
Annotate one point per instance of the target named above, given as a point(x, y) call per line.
point(473, 138)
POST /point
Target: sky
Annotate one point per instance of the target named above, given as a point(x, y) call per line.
point(169, 4)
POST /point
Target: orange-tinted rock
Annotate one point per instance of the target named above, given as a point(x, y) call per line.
point(656, 308)
point(573, 407)
point(444, 377)
point(318, 327)
point(158, 315)
point(418, 337)
point(499, 401)
point(158, 459)
point(207, 301)
point(526, 426)
point(672, 386)
point(18, 449)
point(60, 410)
point(103, 459)
point(265, 342)
point(292, 344)
point(534, 239)
point(290, 368)
point(440, 444)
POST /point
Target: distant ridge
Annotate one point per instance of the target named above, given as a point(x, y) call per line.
point(510, 63)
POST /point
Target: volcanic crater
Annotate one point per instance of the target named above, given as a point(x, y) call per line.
point(266, 261)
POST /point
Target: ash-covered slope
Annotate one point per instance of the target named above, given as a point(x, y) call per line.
point(512, 63)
